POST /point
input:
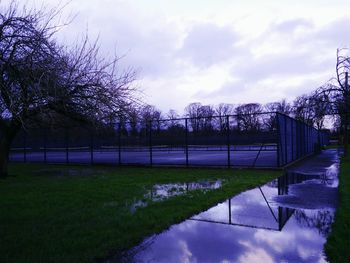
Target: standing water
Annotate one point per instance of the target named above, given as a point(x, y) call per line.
point(286, 220)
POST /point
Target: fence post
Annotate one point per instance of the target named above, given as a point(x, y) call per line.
point(186, 140)
point(91, 146)
point(306, 140)
point(299, 140)
point(229, 211)
point(292, 138)
point(119, 143)
point(24, 145)
point(67, 144)
point(302, 139)
point(150, 144)
point(278, 139)
point(285, 140)
point(228, 141)
point(45, 145)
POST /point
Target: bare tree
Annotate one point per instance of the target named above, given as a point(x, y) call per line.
point(206, 118)
point(173, 116)
point(312, 108)
point(338, 92)
point(279, 106)
point(175, 127)
point(302, 109)
point(149, 114)
point(200, 116)
point(320, 106)
point(40, 76)
point(248, 117)
point(222, 110)
point(132, 120)
point(193, 112)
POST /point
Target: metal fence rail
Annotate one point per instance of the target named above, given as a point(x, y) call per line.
point(256, 140)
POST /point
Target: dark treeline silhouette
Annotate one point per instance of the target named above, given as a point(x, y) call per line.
point(208, 119)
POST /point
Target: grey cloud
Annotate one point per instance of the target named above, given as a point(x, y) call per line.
point(335, 33)
point(329, 36)
point(308, 53)
point(286, 64)
point(145, 42)
point(207, 44)
point(245, 92)
point(150, 43)
point(290, 26)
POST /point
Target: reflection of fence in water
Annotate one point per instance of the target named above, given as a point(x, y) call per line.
point(218, 141)
point(257, 212)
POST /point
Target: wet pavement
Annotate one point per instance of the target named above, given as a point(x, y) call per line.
point(286, 220)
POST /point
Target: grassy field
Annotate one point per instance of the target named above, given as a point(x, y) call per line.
point(338, 243)
point(83, 214)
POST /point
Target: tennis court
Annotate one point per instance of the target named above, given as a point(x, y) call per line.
point(174, 143)
point(248, 156)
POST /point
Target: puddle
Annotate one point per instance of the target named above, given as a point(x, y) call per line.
point(286, 220)
point(160, 192)
point(163, 191)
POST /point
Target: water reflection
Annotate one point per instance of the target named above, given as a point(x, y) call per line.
point(250, 209)
point(286, 220)
point(160, 192)
point(315, 219)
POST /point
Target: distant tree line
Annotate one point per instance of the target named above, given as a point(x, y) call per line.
point(250, 117)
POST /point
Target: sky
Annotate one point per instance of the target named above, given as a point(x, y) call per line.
point(211, 52)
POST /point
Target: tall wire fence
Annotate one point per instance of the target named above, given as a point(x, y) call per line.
point(247, 140)
point(297, 140)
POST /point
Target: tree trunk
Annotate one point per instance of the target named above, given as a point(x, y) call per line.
point(7, 134)
point(4, 157)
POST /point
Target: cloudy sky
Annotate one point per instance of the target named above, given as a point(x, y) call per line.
point(208, 51)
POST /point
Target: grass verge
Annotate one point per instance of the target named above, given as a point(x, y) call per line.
point(338, 242)
point(81, 214)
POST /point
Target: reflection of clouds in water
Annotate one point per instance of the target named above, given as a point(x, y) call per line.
point(302, 244)
point(217, 213)
point(304, 253)
point(331, 175)
point(255, 197)
point(185, 243)
point(187, 227)
point(254, 254)
point(301, 239)
point(246, 208)
point(277, 242)
point(186, 255)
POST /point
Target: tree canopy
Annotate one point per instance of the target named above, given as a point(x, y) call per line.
point(40, 77)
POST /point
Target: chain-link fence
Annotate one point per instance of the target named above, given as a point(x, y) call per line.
point(246, 140)
point(297, 140)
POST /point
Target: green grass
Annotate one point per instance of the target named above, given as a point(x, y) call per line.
point(338, 243)
point(79, 218)
point(332, 146)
